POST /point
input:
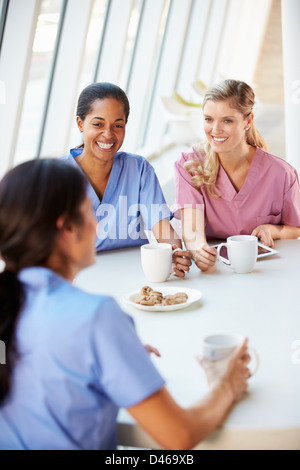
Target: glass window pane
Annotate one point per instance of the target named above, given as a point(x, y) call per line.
point(3, 12)
point(130, 42)
point(151, 93)
point(3, 5)
point(93, 43)
point(40, 67)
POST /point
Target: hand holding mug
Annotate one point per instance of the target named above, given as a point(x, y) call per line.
point(226, 358)
point(205, 257)
point(181, 261)
point(217, 347)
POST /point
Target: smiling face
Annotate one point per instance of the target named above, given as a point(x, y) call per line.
point(225, 127)
point(103, 129)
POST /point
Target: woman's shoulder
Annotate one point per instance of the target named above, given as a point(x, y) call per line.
point(71, 155)
point(275, 162)
point(73, 152)
point(130, 157)
point(193, 154)
point(96, 303)
point(58, 290)
point(133, 162)
point(100, 309)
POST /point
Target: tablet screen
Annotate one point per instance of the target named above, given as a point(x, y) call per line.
point(263, 251)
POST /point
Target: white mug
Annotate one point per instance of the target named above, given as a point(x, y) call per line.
point(241, 252)
point(157, 261)
point(219, 346)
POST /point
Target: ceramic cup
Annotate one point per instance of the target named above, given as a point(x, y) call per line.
point(241, 251)
point(217, 347)
point(157, 261)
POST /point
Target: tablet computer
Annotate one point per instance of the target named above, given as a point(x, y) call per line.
point(263, 251)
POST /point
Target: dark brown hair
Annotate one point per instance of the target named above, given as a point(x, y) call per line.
point(33, 195)
point(100, 91)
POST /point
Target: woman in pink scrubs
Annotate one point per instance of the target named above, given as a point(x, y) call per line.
point(230, 184)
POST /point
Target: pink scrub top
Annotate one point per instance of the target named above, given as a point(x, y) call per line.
point(270, 195)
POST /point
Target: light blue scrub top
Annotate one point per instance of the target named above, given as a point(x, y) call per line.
point(81, 360)
point(133, 201)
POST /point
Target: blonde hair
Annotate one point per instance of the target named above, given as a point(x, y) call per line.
point(242, 98)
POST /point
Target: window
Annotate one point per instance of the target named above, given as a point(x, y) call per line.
point(92, 53)
point(42, 56)
point(148, 47)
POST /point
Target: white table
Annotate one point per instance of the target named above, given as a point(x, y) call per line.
point(263, 305)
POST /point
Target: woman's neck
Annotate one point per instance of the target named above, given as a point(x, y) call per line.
point(97, 172)
point(62, 267)
point(239, 158)
point(237, 168)
point(92, 165)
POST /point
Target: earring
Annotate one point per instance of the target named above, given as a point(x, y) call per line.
point(247, 129)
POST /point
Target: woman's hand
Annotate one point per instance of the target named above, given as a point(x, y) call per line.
point(232, 371)
point(263, 232)
point(205, 257)
point(267, 233)
point(182, 261)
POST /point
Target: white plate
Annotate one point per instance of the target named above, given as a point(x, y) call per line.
point(193, 296)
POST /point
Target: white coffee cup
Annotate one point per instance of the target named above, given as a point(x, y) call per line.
point(241, 251)
point(157, 261)
point(219, 346)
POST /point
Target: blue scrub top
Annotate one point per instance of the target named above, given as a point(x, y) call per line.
point(81, 360)
point(133, 201)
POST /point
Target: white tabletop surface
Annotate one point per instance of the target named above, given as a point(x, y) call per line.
point(263, 305)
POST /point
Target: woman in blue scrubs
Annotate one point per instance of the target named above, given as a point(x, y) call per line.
point(73, 358)
point(124, 190)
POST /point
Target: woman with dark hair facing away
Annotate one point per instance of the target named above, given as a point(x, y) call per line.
point(230, 184)
point(124, 190)
point(74, 358)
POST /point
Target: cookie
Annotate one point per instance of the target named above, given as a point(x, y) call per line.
point(146, 290)
point(150, 297)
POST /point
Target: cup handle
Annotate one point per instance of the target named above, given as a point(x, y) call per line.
point(220, 258)
point(256, 357)
point(172, 273)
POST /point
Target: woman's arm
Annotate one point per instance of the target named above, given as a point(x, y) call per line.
point(193, 234)
point(174, 427)
point(165, 233)
point(268, 233)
